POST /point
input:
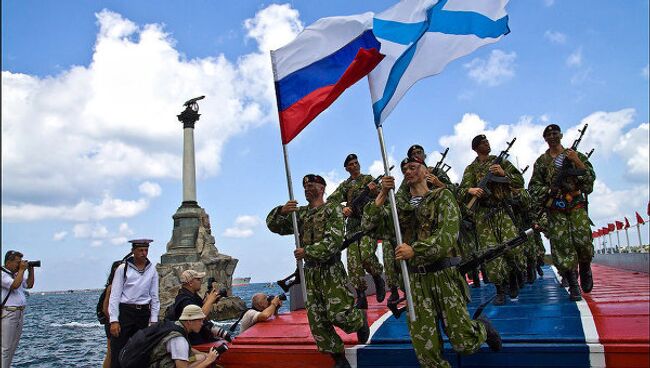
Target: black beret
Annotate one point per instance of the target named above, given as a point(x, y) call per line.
point(311, 178)
point(349, 158)
point(550, 128)
point(413, 148)
point(135, 243)
point(409, 160)
point(477, 140)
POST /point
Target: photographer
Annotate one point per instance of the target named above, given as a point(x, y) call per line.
point(188, 295)
point(264, 307)
point(14, 301)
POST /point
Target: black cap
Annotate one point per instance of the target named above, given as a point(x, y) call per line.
point(550, 128)
point(409, 160)
point(477, 140)
point(349, 158)
point(409, 153)
point(311, 178)
point(135, 243)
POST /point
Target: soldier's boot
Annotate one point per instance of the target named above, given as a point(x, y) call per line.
point(493, 338)
point(476, 281)
point(574, 288)
point(564, 281)
point(484, 273)
point(364, 332)
point(380, 288)
point(500, 298)
point(586, 279)
point(340, 361)
point(531, 275)
point(394, 295)
point(362, 301)
point(540, 263)
point(514, 284)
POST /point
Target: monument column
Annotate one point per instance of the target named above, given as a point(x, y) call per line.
point(189, 117)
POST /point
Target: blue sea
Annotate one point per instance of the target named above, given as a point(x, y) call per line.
point(61, 329)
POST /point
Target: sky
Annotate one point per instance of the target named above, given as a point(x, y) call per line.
point(92, 148)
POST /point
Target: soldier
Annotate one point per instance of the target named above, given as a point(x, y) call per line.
point(493, 216)
point(361, 256)
point(329, 303)
point(565, 222)
point(430, 226)
point(523, 210)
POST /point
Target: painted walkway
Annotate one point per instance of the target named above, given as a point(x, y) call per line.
point(541, 328)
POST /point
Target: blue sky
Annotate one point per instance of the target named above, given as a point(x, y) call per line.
point(91, 148)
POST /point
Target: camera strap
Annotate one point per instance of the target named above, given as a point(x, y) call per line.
point(10, 289)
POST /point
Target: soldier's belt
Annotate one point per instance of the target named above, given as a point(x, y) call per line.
point(436, 266)
point(330, 262)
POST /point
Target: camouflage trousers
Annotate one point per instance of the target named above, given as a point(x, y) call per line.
point(442, 297)
point(361, 259)
point(330, 303)
point(494, 230)
point(391, 266)
point(570, 236)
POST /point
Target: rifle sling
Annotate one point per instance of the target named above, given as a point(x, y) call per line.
point(436, 266)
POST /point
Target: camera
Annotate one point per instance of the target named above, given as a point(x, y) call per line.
point(221, 349)
point(211, 281)
point(282, 297)
point(33, 263)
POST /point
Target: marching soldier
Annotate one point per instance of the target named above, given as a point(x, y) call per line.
point(430, 226)
point(361, 256)
point(566, 222)
point(493, 216)
point(329, 303)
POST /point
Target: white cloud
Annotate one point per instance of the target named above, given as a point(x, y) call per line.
point(96, 243)
point(243, 228)
point(635, 149)
point(150, 189)
point(119, 240)
point(124, 229)
point(607, 204)
point(575, 58)
point(555, 37)
point(496, 70)
point(86, 230)
point(645, 72)
point(115, 119)
point(59, 236)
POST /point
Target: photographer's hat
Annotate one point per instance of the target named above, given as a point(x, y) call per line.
point(135, 243)
point(188, 275)
point(349, 158)
point(191, 312)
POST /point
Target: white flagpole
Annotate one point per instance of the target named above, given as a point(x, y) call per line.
point(638, 230)
point(618, 242)
point(609, 235)
point(627, 237)
point(398, 233)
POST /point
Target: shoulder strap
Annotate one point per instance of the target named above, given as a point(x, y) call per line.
point(10, 289)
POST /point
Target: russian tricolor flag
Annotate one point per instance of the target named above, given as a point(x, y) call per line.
point(313, 70)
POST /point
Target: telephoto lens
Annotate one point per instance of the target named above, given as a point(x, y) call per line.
point(221, 348)
point(34, 263)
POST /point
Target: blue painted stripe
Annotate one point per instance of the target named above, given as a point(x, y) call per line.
point(397, 32)
point(322, 73)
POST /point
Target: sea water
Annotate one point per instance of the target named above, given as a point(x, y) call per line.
point(61, 329)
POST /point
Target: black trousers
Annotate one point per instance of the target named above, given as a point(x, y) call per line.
point(131, 320)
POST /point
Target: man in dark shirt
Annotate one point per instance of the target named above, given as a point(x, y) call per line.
point(188, 295)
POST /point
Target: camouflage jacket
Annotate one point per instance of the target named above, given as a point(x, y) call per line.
point(544, 172)
point(347, 191)
point(159, 356)
point(500, 191)
point(522, 208)
point(431, 227)
point(321, 229)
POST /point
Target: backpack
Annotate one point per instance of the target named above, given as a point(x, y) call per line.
point(137, 351)
point(101, 317)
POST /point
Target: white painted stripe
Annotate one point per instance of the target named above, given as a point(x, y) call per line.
point(596, 349)
point(351, 352)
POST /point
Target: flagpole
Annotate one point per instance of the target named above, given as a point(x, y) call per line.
point(618, 242)
point(627, 236)
point(398, 233)
point(638, 230)
point(609, 234)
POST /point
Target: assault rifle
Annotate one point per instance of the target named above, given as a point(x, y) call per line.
point(474, 262)
point(560, 185)
point(525, 169)
point(364, 197)
point(490, 177)
point(590, 153)
point(440, 165)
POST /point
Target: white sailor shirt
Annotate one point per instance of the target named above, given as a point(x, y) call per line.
point(140, 287)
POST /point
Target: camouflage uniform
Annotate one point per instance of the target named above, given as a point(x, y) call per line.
point(385, 230)
point(568, 230)
point(361, 256)
point(431, 228)
point(159, 356)
point(523, 210)
point(329, 302)
point(494, 225)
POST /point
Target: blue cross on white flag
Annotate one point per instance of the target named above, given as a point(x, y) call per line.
point(420, 37)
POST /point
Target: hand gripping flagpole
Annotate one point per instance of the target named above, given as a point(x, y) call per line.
point(398, 233)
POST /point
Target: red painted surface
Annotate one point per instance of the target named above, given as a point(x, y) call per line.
point(620, 305)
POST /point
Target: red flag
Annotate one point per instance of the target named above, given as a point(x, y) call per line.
point(605, 231)
point(594, 234)
point(619, 225)
point(627, 224)
point(639, 219)
point(611, 227)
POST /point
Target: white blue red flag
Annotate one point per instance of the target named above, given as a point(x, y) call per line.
point(314, 69)
point(420, 37)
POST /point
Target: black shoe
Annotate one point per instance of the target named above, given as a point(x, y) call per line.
point(500, 298)
point(394, 295)
point(586, 279)
point(476, 281)
point(364, 332)
point(493, 338)
point(530, 273)
point(564, 282)
point(574, 289)
point(340, 361)
point(380, 288)
point(362, 301)
point(540, 263)
point(513, 290)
